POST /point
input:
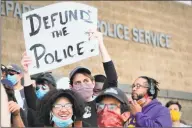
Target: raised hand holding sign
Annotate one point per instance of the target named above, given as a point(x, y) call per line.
point(55, 35)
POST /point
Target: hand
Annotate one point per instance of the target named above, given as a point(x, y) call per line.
point(14, 108)
point(94, 34)
point(26, 61)
point(135, 107)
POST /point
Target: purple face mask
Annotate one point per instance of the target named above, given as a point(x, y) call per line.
point(85, 90)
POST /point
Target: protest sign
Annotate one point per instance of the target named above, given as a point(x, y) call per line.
point(56, 35)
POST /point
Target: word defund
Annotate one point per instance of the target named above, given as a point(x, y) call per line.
point(63, 17)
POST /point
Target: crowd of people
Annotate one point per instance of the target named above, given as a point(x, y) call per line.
point(91, 101)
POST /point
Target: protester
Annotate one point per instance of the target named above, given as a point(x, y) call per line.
point(112, 108)
point(61, 108)
point(146, 110)
point(99, 82)
point(82, 81)
point(12, 78)
point(15, 75)
point(44, 82)
point(175, 111)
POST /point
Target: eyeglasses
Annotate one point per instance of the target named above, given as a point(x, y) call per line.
point(138, 86)
point(101, 106)
point(60, 106)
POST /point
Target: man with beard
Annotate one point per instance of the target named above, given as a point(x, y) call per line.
point(146, 110)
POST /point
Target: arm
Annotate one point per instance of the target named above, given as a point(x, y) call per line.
point(108, 65)
point(17, 121)
point(163, 119)
point(111, 75)
point(102, 48)
point(28, 88)
point(30, 97)
point(14, 108)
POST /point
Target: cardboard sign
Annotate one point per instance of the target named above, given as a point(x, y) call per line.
point(56, 35)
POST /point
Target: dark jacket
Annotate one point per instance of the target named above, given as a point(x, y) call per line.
point(111, 74)
point(32, 102)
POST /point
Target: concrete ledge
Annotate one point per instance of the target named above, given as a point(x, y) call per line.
point(162, 93)
point(180, 95)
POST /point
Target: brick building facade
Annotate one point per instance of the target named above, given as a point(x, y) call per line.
point(170, 65)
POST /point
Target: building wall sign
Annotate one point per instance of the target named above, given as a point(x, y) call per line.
point(137, 35)
point(118, 31)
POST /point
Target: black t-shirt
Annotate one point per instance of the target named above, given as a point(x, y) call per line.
point(90, 115)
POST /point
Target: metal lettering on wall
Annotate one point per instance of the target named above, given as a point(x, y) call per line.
point(111, 30)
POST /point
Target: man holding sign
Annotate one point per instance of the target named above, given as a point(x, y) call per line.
point(82, 81)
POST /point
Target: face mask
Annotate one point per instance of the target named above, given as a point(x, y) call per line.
point(61, 123)
point(107, 118)
point(175, 115)
point(40, 93)
point(12, 78)
point(85, 91)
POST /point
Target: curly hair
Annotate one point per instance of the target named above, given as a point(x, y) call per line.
point(46, 105)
